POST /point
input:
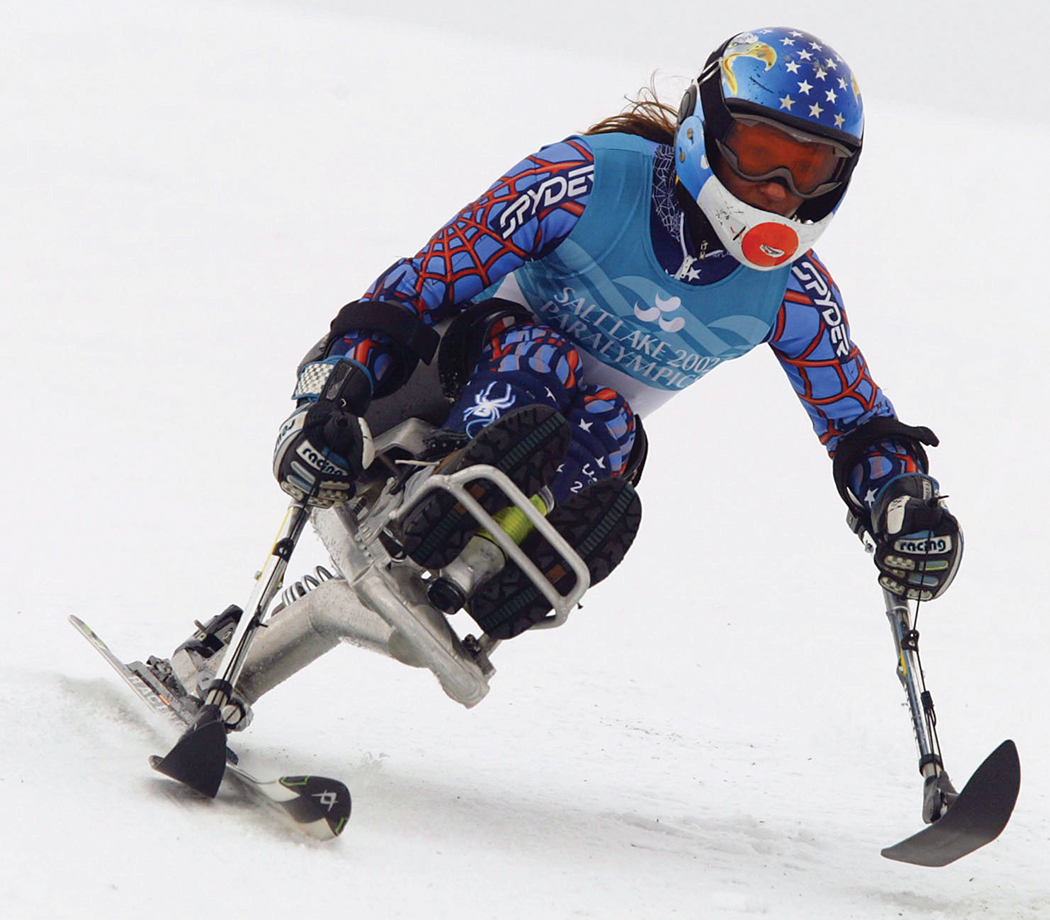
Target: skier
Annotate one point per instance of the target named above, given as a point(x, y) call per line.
point(609, 271)
point(596, 279)
point(589, 284)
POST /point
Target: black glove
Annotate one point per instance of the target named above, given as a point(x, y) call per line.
point(325, 444)
point(918, 541)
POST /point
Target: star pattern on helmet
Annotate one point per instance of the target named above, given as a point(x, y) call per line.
point(789, 66)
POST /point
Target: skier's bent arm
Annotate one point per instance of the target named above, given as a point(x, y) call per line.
point(524, 215)
point(883, 469)
point(375, 342)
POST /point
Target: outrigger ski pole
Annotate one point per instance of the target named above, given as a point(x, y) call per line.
point(199, 757)
point(959, 822)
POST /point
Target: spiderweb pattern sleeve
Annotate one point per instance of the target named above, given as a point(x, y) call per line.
point(524, 215)
point(811, 339)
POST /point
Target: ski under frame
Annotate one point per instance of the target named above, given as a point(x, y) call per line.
point(316, 805)
point(959, 822)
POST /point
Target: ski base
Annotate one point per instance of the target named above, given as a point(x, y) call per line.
point(976, 818)
point(316, 805)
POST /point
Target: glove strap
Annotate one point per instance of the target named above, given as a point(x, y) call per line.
point(336, 380)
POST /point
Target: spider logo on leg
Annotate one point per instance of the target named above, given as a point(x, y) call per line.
point(487, 409)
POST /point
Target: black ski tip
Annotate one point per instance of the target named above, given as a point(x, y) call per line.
point(976, 818)
point(318, 798)
point(199, 757)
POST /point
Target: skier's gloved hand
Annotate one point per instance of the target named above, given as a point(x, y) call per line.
point(918, 541)
point(325, 444)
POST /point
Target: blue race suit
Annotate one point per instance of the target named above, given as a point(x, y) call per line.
point(588, 234)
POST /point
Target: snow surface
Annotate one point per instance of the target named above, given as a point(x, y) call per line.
point(190, 190)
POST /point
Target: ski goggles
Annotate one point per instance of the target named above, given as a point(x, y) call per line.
point(757, 151)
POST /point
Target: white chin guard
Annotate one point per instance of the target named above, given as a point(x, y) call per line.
point(758, 239)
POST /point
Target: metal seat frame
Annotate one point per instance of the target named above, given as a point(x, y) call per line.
point(379, 601)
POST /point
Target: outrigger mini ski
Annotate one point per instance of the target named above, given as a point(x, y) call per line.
point(316, 805)
point(199, 757)
point(959, 822)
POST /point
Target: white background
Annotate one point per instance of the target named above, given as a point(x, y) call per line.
point(190, 191)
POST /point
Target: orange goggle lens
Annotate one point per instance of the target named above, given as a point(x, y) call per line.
point(758, 151)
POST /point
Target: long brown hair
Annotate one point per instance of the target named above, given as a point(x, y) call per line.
point(645, 116)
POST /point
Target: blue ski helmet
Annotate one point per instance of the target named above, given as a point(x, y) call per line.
point(800, 85)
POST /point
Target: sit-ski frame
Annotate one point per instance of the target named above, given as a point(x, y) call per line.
point(380, 601)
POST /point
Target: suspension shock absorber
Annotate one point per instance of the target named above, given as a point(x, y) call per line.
point(301, 588)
